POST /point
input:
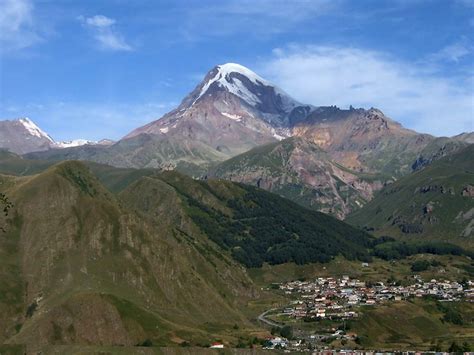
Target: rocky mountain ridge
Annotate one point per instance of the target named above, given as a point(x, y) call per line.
point(23, 136)
point(234, 111)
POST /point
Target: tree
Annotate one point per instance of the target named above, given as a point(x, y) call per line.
point(453, 316)
point(286, 332)
point(5, 205)
point(436, 346)
point(455, 348)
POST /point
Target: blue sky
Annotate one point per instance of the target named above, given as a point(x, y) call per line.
point(97, 69)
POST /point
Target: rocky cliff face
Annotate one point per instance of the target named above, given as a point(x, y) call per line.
point(301, 171)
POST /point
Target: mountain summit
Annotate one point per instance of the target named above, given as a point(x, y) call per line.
point(251, 88)
point(237, 102)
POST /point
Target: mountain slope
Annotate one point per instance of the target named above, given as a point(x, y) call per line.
point(257, 226)
point(115, 179)
point(69, 239)
point(467, 137)
point(303, 172)
point(160, 260)
point(436, 202)
point(23, 136)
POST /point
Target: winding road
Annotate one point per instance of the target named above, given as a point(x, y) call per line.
point(262, 318)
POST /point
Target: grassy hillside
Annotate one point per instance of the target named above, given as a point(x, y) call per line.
point(79, 267)
point(143, 151)
point(436, 202)
point(115, 179)
point(82, 264)
point(418, 323)
point(13, 164)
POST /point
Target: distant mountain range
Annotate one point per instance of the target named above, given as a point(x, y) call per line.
point(23, 136)
point(334, 159)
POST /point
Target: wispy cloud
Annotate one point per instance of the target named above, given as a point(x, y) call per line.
point(453, 52)
point(259, 18)
point(104, 31)
point(17, 27)
point(422, 100)
point(467, 3)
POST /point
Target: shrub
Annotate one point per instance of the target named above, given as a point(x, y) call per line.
point(420, 265)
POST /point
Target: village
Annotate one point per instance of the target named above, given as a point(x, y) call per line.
point(338, 298)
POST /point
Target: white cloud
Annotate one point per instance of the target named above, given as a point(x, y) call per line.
point(421, 100)
point(17, 29)
point(100, 21)
point(102, 28)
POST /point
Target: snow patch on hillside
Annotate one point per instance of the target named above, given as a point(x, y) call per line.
point(232, 116)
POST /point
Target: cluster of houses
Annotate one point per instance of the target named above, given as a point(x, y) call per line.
point(303, 342)
point(335, 298)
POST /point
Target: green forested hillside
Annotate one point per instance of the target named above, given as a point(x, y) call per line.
point(257, 226)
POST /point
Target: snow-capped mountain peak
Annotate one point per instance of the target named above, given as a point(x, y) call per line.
point(231, 101)
point(33, 129)
point(247, 85)
point(228, 68)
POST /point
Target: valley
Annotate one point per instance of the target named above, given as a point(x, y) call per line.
point(215, 224)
